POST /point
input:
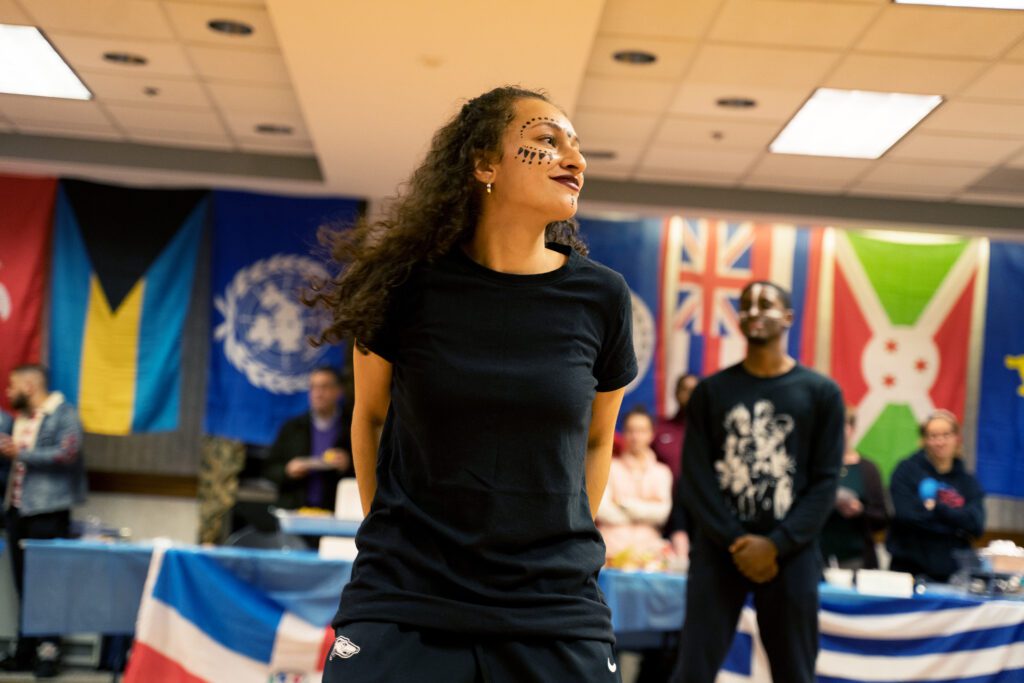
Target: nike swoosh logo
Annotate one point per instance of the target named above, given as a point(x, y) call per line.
point(612, 666)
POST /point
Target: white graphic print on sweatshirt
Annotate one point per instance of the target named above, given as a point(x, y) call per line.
point(755, 471)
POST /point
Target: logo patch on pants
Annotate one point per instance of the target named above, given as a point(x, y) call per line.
point(344, 648)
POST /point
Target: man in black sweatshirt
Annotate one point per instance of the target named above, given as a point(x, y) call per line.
point(939, 505)
point(763, 448)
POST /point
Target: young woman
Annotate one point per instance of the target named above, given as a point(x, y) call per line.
point(491, 359)
point(639, 497)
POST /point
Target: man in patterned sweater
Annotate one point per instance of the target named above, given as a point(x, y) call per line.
point(762, 453)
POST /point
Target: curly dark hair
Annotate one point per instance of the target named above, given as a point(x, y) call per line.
point(438, 209)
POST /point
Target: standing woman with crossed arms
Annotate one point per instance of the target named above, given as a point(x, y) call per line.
point(491, 358)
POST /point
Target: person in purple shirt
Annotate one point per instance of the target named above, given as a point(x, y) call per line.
point(312, 451)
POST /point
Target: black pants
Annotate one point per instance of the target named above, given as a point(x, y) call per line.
point(377, 652)
point(787, 614)
point(45, 525)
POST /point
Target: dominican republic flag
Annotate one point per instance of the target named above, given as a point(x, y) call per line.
point(26, 210)
point(200, 622)
point(1000, 446)
point(902, 332)
point(924, 640)
point(124, 261)
point(264, 256)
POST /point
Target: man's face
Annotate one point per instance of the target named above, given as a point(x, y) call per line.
point(324, 393)
point(941, 440)
point(684, 390)
point(18, 391)
point(763, 314)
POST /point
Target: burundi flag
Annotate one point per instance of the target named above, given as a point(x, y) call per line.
point(704, 265)
point(901, 331)
point(123, 265)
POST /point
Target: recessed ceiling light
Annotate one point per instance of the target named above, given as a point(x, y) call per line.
point(126, 58)
point(30, 66)
point(150, 91)
point(979, 4)
point(274, 129)
point(852, 123)
point(635, 57)
point(230, 27)
point(736, 102)
point(599, 154)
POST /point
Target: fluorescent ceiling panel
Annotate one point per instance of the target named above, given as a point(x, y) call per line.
point(982, 4)
point(30, 66)
point(852, 123)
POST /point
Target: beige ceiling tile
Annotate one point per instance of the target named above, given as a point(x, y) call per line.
point(24, 109)
point(233, 97)
point(920, 146)
point(672, 58)
point(761, 66)
point(661, 175)
point(608, 170)
point(72, 130)
point(945, 31)
point(796, 167)
point(658, 18)
point(719, 133)
point(170, 91)
point(11, 13)
point(191, 20)
point(773, 104)
point(699, 159)
point(250, 66)
point(1016, 54)
point(86, 52)
point(976, 118)
point(793, 24)
point(1001, 82)
point(291, 147)
point(623, 153)
point(134, 119)
point(133, 19)
point(622, 94)
point(243, 123)
point(613, 126)
point(891, 73)
point(902, 191)
point(1016, 162)
point(180, 139)
point(906, 174)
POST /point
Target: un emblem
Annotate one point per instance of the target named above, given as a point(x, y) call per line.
point(643, 340)
point(266, 326)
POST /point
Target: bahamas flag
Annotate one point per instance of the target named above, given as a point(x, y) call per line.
point(123, 265)
point(1000, 464)
point(901, 332)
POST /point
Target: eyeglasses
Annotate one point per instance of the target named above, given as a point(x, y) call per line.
point(939, 436)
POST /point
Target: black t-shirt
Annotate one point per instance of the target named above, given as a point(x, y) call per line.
point(481, 522)
point(762, 455)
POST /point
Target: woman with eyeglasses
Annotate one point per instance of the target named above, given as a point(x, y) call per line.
point(939, 507)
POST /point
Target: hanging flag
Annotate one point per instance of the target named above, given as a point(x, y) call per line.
point(260, 355)
point(632, 248)
point(24, 260)
point(1000, 443)
point(201, 622)
point(123, 265)
point(865, 640)
point(901, 333)
point(705, 264)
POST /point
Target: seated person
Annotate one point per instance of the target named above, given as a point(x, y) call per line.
point(638, 498)
point(313, 451)
point(939, 506)
point(860, 510)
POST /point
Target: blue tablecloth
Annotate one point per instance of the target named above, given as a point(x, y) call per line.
point(81, 586)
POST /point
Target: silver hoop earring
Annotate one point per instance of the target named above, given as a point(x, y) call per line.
point(488, 188)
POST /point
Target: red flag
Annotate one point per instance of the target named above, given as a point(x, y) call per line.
point(26, 209)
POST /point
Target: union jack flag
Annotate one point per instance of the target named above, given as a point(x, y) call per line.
point(705, 264)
